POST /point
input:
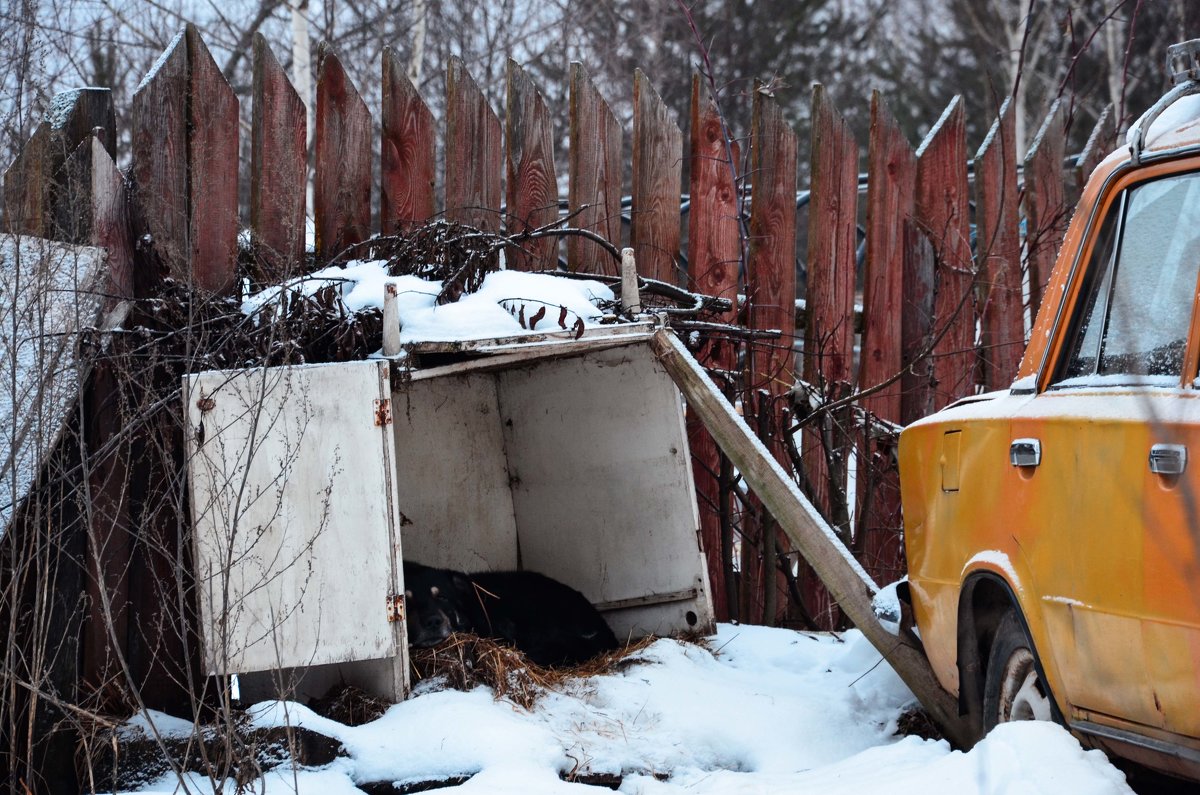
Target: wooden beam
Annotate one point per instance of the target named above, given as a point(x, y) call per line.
point(811, 535)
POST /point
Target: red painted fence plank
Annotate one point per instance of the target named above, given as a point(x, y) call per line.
point(829, 332)
point(278, 169)
point(942, 213)
point(998, 253)
point(1046, 211)
point(212, 171)
point(891, 187)
point(594, 166)
point(714, 252)
point(342, 188)
point(532, 199)
point(657, 160)
point(473, 156)
point(771, 280)
point(408, 151)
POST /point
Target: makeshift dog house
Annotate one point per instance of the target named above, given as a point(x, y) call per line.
point(310, 485)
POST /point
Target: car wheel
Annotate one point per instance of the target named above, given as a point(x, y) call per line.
point(1014, 690)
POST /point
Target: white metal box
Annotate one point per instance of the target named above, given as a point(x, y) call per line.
point(310, 485)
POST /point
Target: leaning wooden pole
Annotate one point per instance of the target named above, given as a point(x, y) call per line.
point(846, 580)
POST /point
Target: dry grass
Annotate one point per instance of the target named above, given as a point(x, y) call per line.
point(468, 660)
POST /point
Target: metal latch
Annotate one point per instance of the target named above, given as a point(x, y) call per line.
point(383, 412)
point(1025, 452)
point(1168, 459)
point(395, 607)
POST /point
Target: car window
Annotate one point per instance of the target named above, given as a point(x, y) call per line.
point(1138, 292)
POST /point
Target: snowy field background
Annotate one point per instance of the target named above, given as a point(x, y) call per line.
point(760, 711)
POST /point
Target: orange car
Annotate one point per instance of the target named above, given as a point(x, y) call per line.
point(1053, 530)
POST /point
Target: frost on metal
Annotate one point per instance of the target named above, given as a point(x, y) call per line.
point(48, 293)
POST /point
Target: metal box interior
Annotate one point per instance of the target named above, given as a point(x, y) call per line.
point(570, 460)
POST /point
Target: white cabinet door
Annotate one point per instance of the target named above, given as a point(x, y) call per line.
point(296, 528)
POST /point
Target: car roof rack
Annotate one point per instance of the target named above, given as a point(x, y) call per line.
point(1183, 63)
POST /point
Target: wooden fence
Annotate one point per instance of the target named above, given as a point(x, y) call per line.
point(945, 251)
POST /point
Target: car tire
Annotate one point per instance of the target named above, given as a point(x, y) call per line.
point(1014, 689)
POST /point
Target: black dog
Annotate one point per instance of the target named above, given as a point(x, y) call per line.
point(551, 623)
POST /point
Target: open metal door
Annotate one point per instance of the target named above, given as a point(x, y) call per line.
point(298, 562)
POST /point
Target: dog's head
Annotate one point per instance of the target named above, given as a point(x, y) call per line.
point(433, 603)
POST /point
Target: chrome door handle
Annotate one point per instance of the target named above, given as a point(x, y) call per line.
point(1168, 459)
point(1025, 452)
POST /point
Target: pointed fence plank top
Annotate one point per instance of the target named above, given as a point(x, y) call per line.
point(771, 269)
point(278, 169)
point(714, 240)
point(342, 188)
point(998, 253)
point(657, 180)
point(1046, 208)
point(473, 156)
point(532, 200)
point(942, 213)
point(832, 243)
point(407, 157)
point(594, 158)
point(891, 184)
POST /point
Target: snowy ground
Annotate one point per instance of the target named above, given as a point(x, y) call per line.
point(765, 711)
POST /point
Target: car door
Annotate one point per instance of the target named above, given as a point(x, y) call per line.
point(1116, 502)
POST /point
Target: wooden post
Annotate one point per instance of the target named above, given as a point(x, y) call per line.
point(278, 170)
point(184, 169)
point(891, 189)
point(942, 212)
point(998, 253)
point(342, 185)
point(657, 160)
point(714, 253)
point(532, 199)
point(1046, 213)
point(473, 158)
point(916, 325)
point(407, 156)
point(594, 169)
point(811, 535)
point(771, 288)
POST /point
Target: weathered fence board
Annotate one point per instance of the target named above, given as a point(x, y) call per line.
point(942, 212)
point(714, 251)
point(1046, 212)
point(278, 169)
point(998, 253)
point(594, 167)
point(657, 181)
point(407, 156)
point(891, 188)
point(1096, 148)
point(185, 143)
point(532, 199)
point(916, 324)
point(33, 195)
point(159, 166)
point(829, 330)
point(93, 211)
point(342, 139)
point(771, 292)
point(212, 170)
point(473, 157)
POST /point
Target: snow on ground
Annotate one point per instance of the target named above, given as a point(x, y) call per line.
point(492, 311)
point(766, 711)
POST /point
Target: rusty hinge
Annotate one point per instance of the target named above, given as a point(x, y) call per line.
point(395, 607)
point(383, 412)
